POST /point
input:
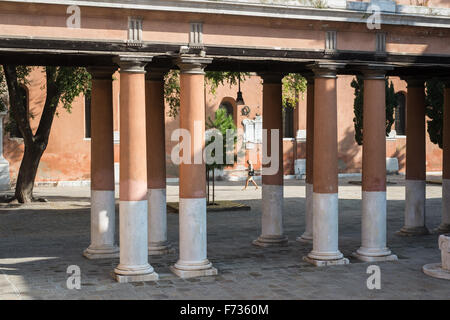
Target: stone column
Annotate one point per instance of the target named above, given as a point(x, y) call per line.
point(415, 160)
point(307, 236)
point(133, 264)
point(440, 270)
point(272, 172)
point(156, 163)
point(325, 170)
point(5, 182)
point(103, 209)
point(373, 231)
point(445, 224)
point(193, 260)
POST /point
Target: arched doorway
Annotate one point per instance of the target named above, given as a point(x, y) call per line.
point(228, 107)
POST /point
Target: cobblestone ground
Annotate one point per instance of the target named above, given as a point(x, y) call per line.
point(39, 241)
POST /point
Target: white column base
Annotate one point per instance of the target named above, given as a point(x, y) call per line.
point(325, 263)
point(193, 260)
point(272, 217)
point(157, 222)
point(92, 254)
point(307, 236)
point(271, 241)
point(185, 274)
point(445, 224)
point(102, 226)
point(374, 258)
point(373, 233)
point(159, 248)
point(325, 232)
point(414, 209)
point(134, 264)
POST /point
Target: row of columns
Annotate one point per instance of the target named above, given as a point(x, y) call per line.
point(321, 217)
point(142, 207)
point(415, 182)
point(374, 169)
point(322, 172)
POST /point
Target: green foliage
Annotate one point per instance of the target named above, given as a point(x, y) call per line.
point(222, 122)
point(172, 92)
point(391, 104)
point(319, 4)
point(213, 79)
point(22, 73)
point(293, 84)
point(3, 91)
point(434, 100)
point(216, 78)
point(67, 84)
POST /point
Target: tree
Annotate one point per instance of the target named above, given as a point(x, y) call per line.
point(224, 125)
point(391, 104)
point(434, 100)
point(63, 85)
point(293, 85)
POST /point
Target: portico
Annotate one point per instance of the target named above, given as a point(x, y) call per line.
point(271, 46)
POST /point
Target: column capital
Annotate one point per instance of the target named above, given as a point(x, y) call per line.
point(102, 73)
point(271, 77)
point(325, 69)
point(132, 64)
point(374, 71)
point(192, 64)
point(155, 74)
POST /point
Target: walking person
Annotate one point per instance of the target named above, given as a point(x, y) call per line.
point(251, 174)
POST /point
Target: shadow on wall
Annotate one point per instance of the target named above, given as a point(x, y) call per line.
point(350, 155)
point(400, 154)
point(13, 153)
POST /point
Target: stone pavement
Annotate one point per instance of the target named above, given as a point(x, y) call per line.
point(39, 241)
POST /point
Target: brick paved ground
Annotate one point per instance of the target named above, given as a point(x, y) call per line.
point(39, 242)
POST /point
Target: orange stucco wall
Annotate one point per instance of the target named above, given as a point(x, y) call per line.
point(68, 153)
point(67, 156)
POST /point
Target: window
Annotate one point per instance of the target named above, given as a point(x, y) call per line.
point(87, 117)
point(253, 130)
point(400, 114)
point(14, 128)
point(228, 107)
point(288, 122)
